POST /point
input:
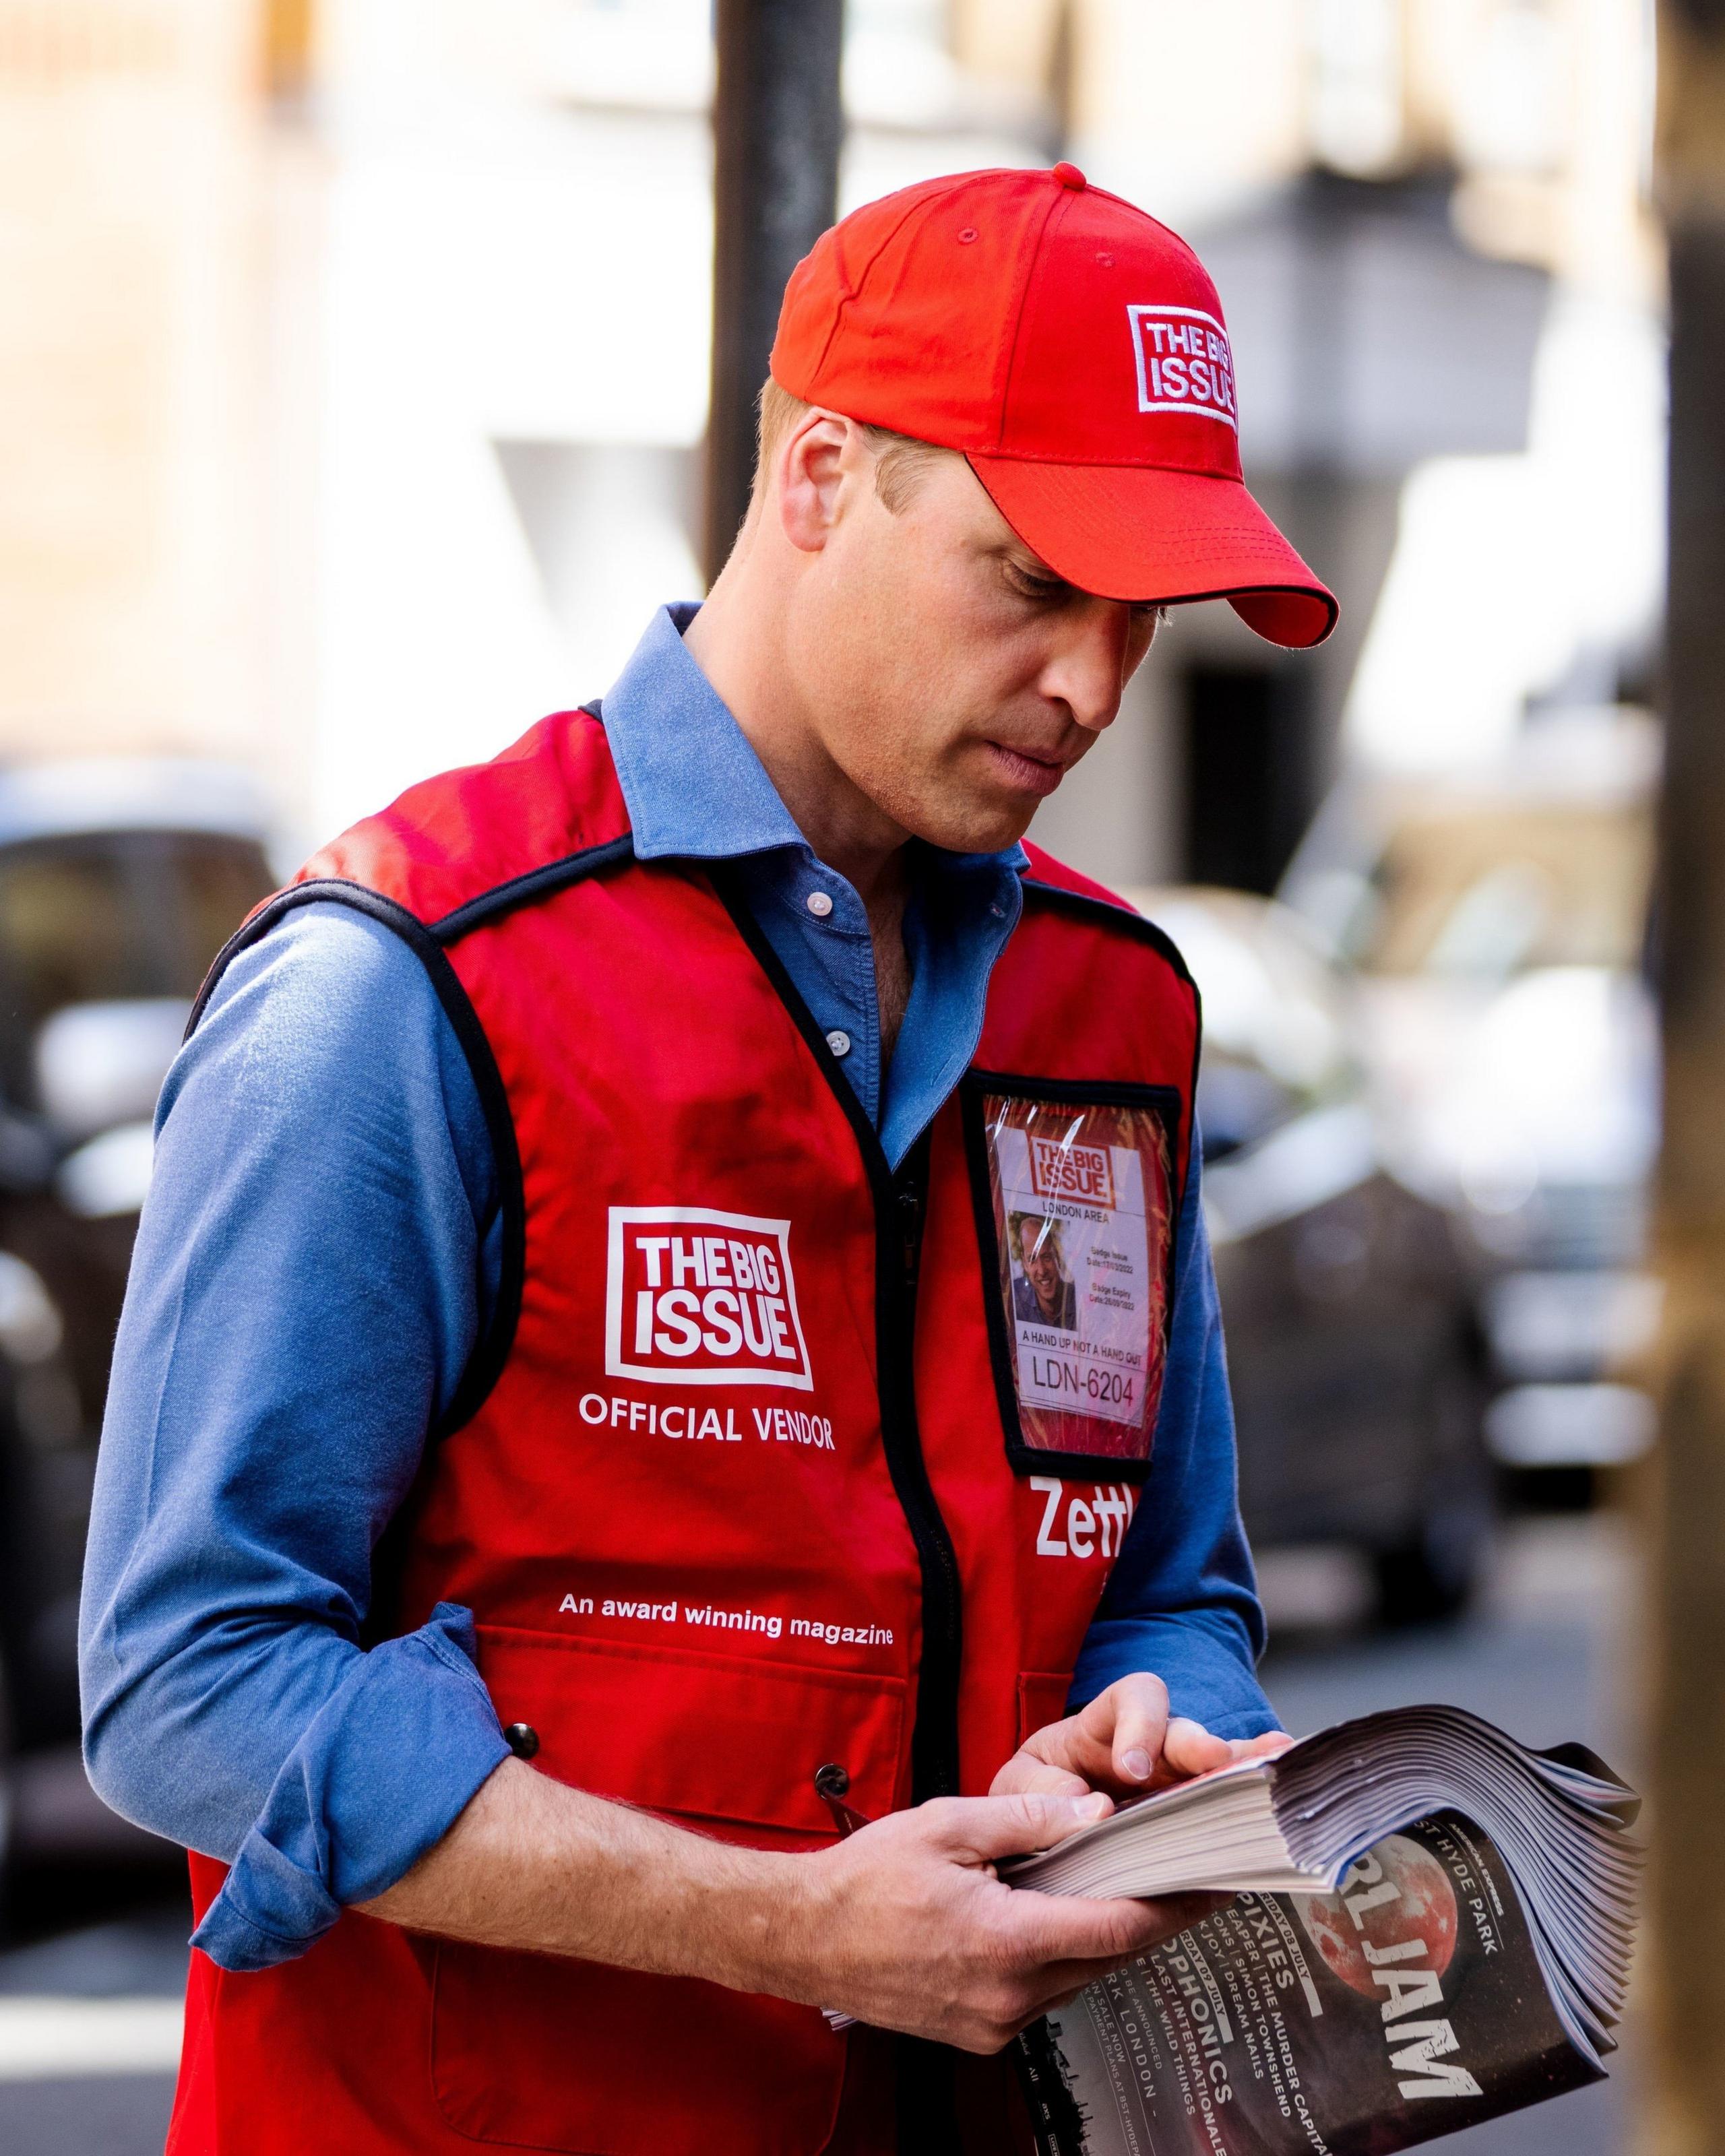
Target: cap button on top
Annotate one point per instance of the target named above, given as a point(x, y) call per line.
point(819, 904)
point(1069, 176)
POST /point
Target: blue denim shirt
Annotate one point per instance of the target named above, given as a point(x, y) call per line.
point(313, 1269)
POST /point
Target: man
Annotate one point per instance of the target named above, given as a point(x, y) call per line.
point(557, 1473)
point(1044, 1295)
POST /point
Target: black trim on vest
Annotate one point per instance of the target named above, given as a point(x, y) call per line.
point(549, 878)
point(1146, 931)
point(934, 1736)
point(924, 2093)
point(1125, 917)
point(545, 882)
point(488, 1357)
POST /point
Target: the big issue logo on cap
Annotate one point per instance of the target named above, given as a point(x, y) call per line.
point(1185, 364)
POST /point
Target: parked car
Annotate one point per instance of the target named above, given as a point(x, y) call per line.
point(118, 882)
point(1357, 1366)
point(1492, 926)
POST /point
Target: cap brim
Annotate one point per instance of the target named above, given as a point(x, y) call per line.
point(1127, 531)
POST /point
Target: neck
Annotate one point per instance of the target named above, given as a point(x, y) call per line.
point(739, 642)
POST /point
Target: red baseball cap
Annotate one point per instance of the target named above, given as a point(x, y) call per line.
point(1074, 350)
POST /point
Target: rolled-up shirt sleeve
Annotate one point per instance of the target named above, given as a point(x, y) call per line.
point(309, 1282)
point(1183, 1601)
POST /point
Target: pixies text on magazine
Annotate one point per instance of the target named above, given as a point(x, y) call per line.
point(1405, 2005)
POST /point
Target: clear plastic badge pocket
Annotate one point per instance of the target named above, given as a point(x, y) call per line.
point(1076, 1201)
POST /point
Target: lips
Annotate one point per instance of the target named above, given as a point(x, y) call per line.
point(1030, 774)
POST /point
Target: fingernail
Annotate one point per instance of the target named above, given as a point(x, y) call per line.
point(1091, 1807)
point(1137, 1765)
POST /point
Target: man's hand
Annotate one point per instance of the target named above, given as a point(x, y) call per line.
point(906, 1925)
point(1125, 1743)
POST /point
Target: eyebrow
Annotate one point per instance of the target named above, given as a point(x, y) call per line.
point(1032, 565)
point(1018, 555)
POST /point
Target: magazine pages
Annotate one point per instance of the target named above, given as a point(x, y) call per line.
point(1431, 1926)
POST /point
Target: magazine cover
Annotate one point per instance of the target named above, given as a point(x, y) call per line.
point(1405, 2005)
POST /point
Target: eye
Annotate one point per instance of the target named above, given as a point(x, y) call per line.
point(1046, 590)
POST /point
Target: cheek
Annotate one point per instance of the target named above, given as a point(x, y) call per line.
point(916, 649)
point(1139, 639)
point(950, 630)
point(911, 667)
point(868, 682)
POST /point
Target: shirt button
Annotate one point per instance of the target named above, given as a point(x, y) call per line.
point(838, 1042)
point(820, 905)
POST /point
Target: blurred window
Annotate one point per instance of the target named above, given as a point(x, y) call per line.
point(1484, 893)
point(217, 882)
point(67, 934)
point(112, 917)
point(1238, 1104)
point(1274, 1044)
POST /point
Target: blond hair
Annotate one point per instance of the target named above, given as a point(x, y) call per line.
point(901, 461)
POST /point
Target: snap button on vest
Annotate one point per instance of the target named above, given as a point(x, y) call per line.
point(832, 1785)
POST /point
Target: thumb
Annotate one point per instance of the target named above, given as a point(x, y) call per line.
point(1024, 1772)
point(1189, 1749)
point(991, 1827)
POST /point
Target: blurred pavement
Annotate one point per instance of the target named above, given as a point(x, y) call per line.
point(88, 2016)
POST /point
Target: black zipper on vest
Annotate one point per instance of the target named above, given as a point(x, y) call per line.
point(898, 1222)
point(934, 1736)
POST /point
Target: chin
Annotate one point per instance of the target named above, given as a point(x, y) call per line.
point(1002, 823)
point(962, 811)
point(980, 832)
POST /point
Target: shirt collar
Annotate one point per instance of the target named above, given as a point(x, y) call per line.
point(693, 785)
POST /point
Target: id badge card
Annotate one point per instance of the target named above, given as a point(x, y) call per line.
point(1076, 1200)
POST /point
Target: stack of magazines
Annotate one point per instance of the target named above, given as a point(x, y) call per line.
point(1429, 1925)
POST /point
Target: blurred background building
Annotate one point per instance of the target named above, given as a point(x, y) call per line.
point(354, 364)
point(355, 361)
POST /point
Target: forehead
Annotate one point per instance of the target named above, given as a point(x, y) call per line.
point(950, 482)
point(966, 515)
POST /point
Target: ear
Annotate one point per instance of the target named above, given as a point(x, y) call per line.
point(818, 470)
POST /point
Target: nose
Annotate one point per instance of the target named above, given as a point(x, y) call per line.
point(1092, 661)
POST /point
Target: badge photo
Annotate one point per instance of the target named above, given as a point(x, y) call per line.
point(1076, 1201)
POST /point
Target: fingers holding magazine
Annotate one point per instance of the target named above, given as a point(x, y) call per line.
point(912, 1930)
point(1125, 1743)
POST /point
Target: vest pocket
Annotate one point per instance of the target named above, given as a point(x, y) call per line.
point(1042, 1699)
point(543, 2053)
